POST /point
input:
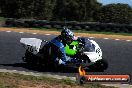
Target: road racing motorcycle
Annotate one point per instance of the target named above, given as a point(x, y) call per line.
point(85, 53)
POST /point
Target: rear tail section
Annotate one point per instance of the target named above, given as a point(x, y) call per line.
point(31, 44)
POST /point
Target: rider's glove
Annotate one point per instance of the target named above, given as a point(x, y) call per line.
point(69, 59)
point(62, 62)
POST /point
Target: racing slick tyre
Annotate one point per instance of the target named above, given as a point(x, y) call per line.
point(101, 65)
point(30, 59)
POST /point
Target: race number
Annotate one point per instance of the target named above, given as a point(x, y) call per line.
point(30, 48)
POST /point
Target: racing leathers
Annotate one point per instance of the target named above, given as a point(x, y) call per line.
point(56, 51)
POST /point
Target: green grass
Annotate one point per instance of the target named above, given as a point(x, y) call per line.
point(2, 19)
point(83, 31)
point(6, 81)
point(110, 33)
point(76, 31)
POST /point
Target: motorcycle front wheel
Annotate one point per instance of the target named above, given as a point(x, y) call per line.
point(101, 65)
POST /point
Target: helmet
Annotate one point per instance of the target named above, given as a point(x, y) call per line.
point(67, 35)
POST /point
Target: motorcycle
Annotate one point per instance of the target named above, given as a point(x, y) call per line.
point(85, 53)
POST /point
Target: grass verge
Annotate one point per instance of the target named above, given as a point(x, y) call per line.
point(77, 33)
point(2, 19)
point(14, 80)
point(84, 31)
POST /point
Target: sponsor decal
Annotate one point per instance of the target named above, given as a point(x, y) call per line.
point(106, 78)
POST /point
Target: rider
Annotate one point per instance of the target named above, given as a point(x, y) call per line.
point(56, 46)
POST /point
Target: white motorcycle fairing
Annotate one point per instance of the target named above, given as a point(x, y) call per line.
point(31, 44)
point(95, 54)
point(91, 55)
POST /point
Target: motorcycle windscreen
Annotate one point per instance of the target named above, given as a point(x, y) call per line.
point(89, 47)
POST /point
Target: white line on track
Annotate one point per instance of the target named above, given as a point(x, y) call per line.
point(8, 31)
point(117, 39)
point(128, 40)
point(47, 34)
point(106, 38)
point(21, 32)
point(91, 37)
point(76, 36)
point(34, 33)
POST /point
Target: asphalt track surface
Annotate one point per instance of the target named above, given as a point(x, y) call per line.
point(117, 52)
